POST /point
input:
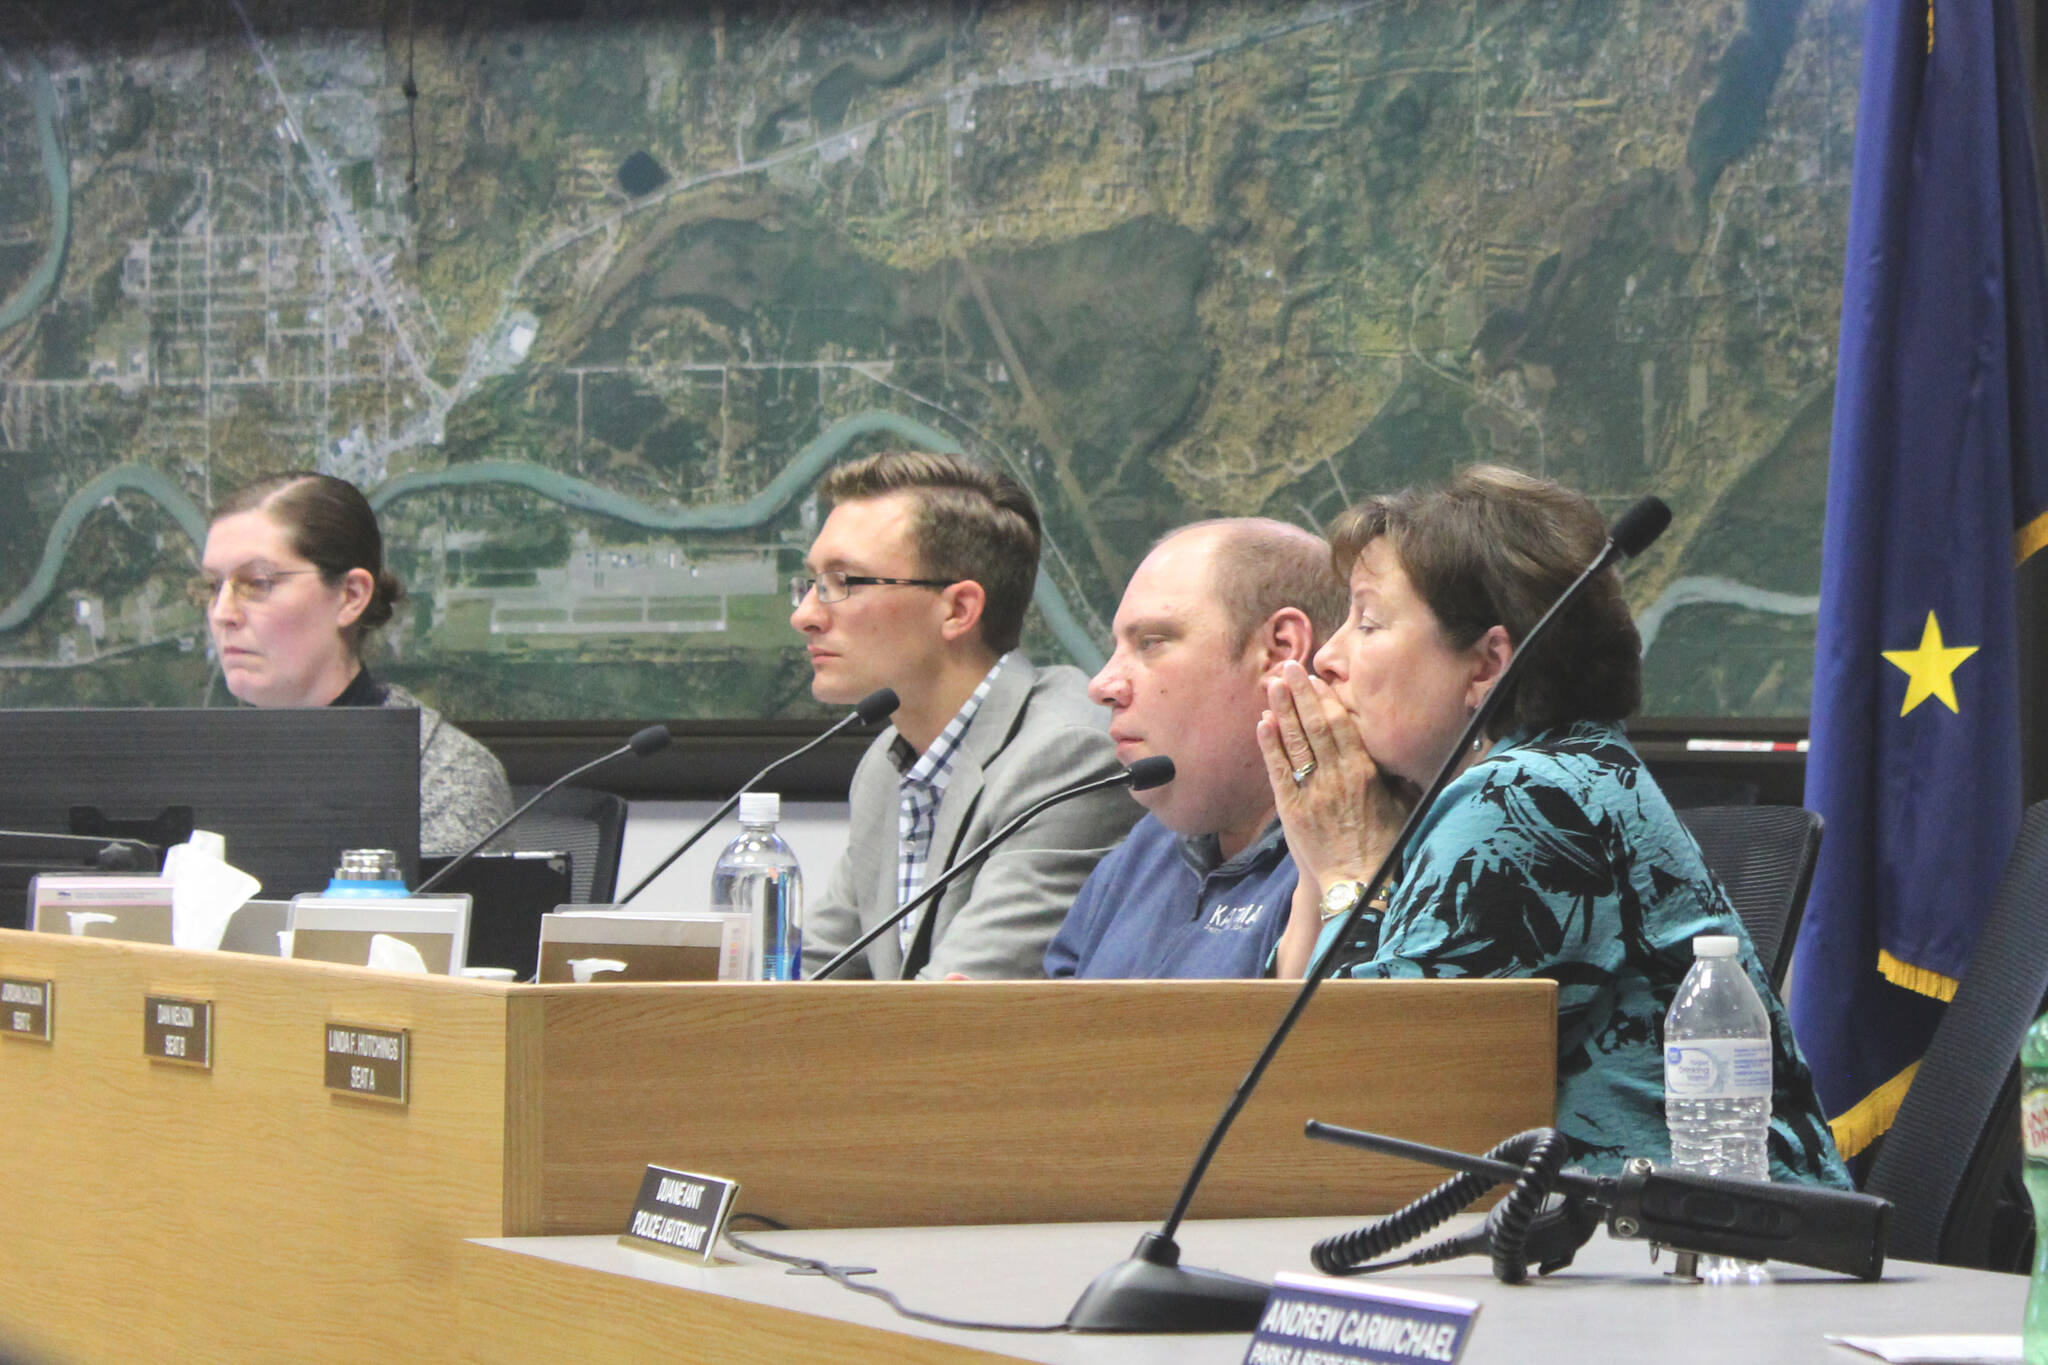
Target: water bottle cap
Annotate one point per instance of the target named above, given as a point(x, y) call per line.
point(367, 865)
point(760, 808)
point(1715, 945)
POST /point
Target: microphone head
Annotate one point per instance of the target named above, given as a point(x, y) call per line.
point(879, 704)
point(652, 740)
point(1154, 770)
point(1642, 523)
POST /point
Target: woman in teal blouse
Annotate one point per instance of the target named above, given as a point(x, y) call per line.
point(1552, 852)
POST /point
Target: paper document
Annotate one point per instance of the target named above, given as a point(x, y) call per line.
point(1937, 1350)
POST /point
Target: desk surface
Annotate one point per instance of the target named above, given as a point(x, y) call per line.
point(1611, 1305)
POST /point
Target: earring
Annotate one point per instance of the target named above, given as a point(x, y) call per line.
point(1478, 743)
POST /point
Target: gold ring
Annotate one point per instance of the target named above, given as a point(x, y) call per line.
point(1301, 774)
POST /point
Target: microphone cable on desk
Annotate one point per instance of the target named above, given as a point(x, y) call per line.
point(1518, 1232)
point(843, 1277)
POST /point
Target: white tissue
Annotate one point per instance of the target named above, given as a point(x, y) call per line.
point(81, 920)
point(395, 955)
point(583, 968)
point(205, 890)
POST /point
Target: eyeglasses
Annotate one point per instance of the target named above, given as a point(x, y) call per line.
point(245, 586)
point(832, 585)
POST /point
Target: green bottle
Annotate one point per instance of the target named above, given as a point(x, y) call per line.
point(2034, 1138)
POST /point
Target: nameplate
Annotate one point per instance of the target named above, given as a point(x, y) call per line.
point(679, 1214)
point(368, 1062)
point(1310, 1320)
point(180, 1031)
point(26, 1008)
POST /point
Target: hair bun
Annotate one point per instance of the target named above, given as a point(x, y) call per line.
point(388, 593)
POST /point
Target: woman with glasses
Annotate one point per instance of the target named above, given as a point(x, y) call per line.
point(292, 578)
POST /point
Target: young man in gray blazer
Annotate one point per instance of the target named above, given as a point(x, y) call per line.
point(919, 580)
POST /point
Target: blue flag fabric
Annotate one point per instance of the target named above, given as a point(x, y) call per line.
point(1936, 484)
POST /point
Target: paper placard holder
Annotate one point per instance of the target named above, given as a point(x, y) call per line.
point(344, 929)
point(607, 944)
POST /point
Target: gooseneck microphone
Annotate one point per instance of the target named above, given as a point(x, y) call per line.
point(1152, 1291)
point(1145, 774)
point(879, 704)
point(651, 740)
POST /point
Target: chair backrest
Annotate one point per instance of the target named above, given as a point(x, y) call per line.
point(1764, 856)
point(590, 826)
point(1951, 1160)
point(1705, 789)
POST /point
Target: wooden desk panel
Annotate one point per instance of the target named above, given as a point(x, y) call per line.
point(882, 1104)
point(154, 1211)
point(516, 1310)
point(246, 1213)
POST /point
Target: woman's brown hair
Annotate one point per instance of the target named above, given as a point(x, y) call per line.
point(1497, 547)
point(332, 526)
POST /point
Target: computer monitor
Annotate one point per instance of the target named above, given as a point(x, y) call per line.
point(509, 892)
point(289, 789)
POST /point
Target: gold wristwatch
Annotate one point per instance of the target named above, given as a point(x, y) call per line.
point(1339, 897)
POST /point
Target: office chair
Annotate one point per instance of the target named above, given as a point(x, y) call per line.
point(1764, 856)
point(1951, 1161)
point(590, 826)
point(1693, 789)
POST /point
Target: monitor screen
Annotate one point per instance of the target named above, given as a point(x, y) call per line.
point(509, 892)
point(288, 789)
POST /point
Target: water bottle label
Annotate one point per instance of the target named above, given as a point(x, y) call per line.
point(2034, 1122)
point(1718, 1069)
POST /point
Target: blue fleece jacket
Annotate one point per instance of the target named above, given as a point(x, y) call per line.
point(1164, 906)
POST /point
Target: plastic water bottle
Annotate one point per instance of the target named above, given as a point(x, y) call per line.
point(2034, 1140)
point(757, 876)
point(1717, 1080)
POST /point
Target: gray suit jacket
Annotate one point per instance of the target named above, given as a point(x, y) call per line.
point(1035, 734)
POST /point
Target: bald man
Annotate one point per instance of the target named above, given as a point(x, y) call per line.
point(1202, 885)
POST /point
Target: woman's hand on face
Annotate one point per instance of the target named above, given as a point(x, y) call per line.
point(1339, 811)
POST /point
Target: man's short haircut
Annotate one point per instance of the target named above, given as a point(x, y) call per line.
point(1497, 547)
point(971, 522)
point(1258, 565)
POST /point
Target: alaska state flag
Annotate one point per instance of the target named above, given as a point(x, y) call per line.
point(1937, 483)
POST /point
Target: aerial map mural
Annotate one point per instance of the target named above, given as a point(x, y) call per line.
point(586, 296)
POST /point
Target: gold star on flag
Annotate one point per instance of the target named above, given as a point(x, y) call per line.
point(1930, 669)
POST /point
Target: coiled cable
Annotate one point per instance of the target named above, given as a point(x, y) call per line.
point(1541, 1154)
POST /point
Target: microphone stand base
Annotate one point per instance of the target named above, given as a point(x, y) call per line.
point(1153, 1292)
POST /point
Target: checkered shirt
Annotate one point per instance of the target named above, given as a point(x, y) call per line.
point(917, 809)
